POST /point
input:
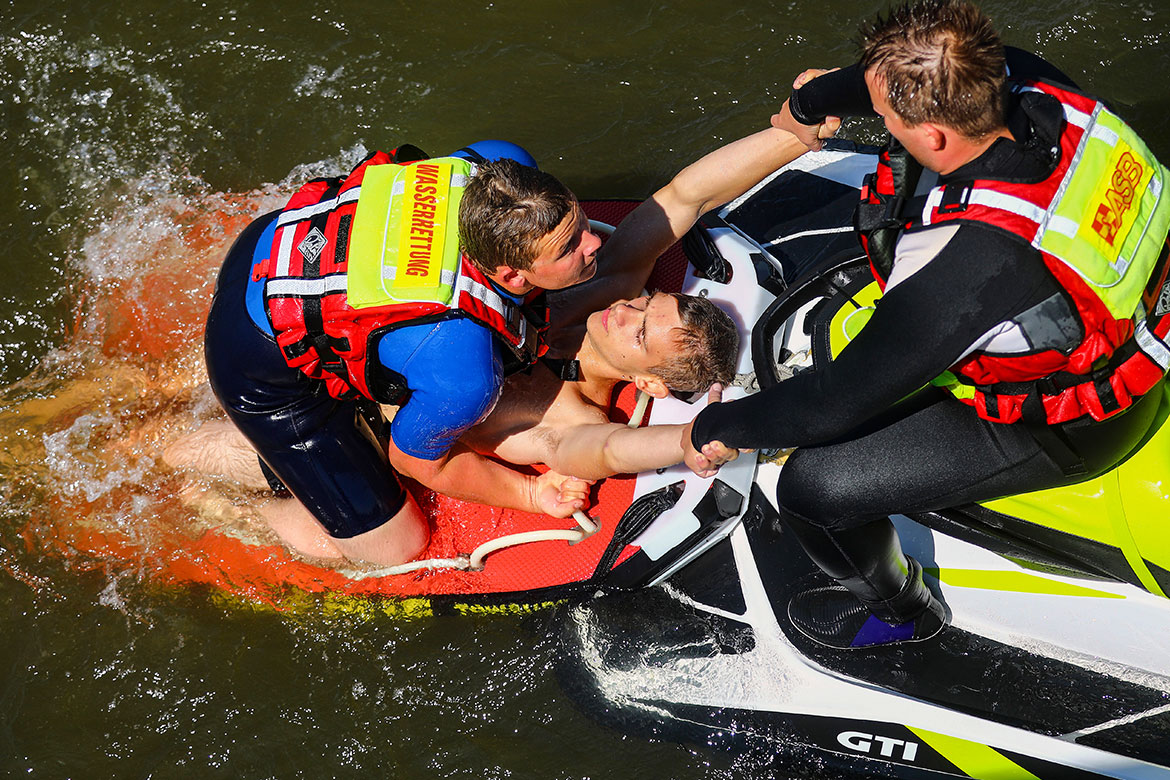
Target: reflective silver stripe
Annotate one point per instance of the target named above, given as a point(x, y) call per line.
point(284, 250)
point(1009, 203)
point(524, 332)
point(458, 179)
point(312, 210)
point(988, 198)
point(287, 219)
point(446, 276)
point(305, 288)
point(497, 303)
point(1075, 116)
point(1064, 226)
point(1060, 223)
point(1157, 350)
point(1102, 133)
point(485, 295)
point(932, 202)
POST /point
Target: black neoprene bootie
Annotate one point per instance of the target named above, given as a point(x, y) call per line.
point(834, 616)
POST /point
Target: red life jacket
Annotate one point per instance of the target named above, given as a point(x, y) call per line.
point(1118, 359)
point(320, 334)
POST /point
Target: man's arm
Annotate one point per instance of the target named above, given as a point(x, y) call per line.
point(597, 451)
point(627, 258)
point(596, 448)
point(467, 475)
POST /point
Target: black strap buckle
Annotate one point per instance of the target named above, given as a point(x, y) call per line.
point(954, 199)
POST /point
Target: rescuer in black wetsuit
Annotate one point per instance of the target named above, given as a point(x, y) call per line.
point(871, 441)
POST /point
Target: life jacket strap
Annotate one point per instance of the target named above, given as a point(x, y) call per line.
point(1056, 443)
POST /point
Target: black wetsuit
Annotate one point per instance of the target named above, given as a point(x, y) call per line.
point(863, 455)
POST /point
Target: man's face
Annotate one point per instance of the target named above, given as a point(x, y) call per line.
point(567, 254)
point(908, 135)
point(634, 336)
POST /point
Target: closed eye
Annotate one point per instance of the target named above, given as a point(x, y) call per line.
point(575, 240)
point(572, 245)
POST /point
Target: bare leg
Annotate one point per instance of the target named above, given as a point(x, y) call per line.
point(298, 529)
point(218, 449)
point(400, 539)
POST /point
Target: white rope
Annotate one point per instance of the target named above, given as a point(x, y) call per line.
point(639, 409)
point(588, 527)
point(462, 563)
point(475, 562)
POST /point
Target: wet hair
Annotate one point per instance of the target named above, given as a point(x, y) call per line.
point(941, 61)
point(707, 347)
point(507, 208)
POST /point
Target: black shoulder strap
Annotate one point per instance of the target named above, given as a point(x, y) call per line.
point(568, 370)
point(882, 221)
point(408, 153)
point(473, 155)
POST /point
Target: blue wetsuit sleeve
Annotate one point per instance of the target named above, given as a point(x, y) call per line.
point(454, 372)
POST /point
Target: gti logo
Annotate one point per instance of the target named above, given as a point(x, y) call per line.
point(865, 743)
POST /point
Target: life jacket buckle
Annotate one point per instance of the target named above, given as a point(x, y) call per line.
point(955, 198)
point(893, 213)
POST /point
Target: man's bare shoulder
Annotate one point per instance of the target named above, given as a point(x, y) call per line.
point(524, 427)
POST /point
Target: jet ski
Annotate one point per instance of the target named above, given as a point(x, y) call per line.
point(1056, 663)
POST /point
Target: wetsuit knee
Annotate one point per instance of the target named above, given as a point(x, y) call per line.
point(815, 489)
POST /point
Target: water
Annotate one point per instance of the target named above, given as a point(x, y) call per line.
point(136, 139)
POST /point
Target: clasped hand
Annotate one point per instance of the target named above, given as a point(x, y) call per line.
point(812, 136)
point(706, 460)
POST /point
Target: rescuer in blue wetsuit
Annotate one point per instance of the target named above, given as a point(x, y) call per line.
point(443, 366)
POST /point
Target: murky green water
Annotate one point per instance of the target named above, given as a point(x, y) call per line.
point(112, 114)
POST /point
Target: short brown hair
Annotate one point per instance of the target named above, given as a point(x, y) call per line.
point(707, 347)
point(506, 209)
point(941, 61)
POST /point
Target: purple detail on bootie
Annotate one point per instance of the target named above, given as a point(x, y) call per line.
point(878, 632)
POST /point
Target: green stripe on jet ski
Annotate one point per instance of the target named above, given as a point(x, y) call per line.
point(1129, 547)
point(974, 758)
point(1015, 581)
